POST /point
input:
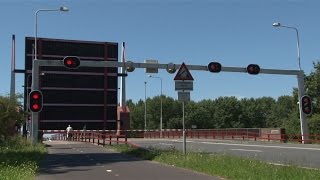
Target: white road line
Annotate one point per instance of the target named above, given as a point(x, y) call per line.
point(166, 144)
point(265, 146)
point(180, 141)
point(245, 150)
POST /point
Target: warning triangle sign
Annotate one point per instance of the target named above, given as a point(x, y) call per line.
point(183, 73)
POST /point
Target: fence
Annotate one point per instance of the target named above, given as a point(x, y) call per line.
point(229, 134)
point(246, 134)
point(94, 137)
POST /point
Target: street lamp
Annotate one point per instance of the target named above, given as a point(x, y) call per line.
point(145, 106)
point(303, 122)
point(35, 115)
point(150, 76)
point(63, 9)
point(277, 24)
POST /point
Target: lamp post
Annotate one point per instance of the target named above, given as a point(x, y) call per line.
point(35, 115)
point(303, 122)
point(63, 9)
point(145, 106)
point(150, 76)
point(277, 24)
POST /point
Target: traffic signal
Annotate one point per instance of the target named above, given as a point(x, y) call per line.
point(130, 67)
point(253, 69)
point(71, 62)
point(214, 67)
point(171, 68)
point(35, 101)
point(306, 104)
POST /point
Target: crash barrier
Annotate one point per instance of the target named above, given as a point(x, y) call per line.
point(245, 134)
point(99, 138)
point(93, 137)
point(128, 133)
point(234, 135)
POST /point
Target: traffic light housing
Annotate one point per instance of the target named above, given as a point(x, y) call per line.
point(71, 62)
point(306, 104)
point(214, 67)
point(35, 101)
point(253, 69)
point(130, 67)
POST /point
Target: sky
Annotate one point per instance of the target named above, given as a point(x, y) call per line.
point(233, 32)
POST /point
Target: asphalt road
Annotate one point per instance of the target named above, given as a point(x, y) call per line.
point(85, 161)
point(303, 155)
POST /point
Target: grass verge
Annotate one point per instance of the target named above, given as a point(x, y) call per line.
point(222, 165)
point(19, 159)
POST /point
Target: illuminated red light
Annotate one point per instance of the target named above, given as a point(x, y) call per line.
point(35, 106)
point(69, 61)
point(35, 96)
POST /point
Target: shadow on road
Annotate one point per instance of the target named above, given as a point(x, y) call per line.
point(64, 157)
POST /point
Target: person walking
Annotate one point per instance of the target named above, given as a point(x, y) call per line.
point(69, 131)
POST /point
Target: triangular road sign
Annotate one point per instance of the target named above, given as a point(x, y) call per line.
point(183, 73)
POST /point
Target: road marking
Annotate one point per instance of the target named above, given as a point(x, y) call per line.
point(265, 146)
point(278, 164)
point(109, 170)
point(180, 141)
point(166, 144)
point(245, 150)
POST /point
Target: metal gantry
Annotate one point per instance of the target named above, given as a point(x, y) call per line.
point(87, 63)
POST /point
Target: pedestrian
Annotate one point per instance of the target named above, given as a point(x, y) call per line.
point(69, 131)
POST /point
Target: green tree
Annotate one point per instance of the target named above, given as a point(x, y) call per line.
point(280, 111)
point(312, 86)
point(227, 112)
point(10, 114)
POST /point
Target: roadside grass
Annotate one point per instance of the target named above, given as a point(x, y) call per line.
point(19, 159)
point(225, 166)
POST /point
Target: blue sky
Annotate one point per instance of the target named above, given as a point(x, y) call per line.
point(235, 33)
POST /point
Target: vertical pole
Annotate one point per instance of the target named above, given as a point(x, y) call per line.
point(13, 66)
point(123, 88)
point(303, 122)
point(161, 109)
point(123, 80)
point(298, 47)
point(34, 87)
point(183, 131)
point(36, 34)
point(145, 106)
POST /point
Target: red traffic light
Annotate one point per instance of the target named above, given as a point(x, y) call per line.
point(35, 101)
point(71, 62)
point(253, 69)
point(214, 67)
point(35, 106)
point(35, 96)
point(306, 104)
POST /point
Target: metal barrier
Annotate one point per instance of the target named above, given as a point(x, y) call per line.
point(94, 137)
point(98, 138)
point(234, 135)
point(224, 134)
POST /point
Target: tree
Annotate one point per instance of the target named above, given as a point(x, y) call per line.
point(312, 83)
point(11, 113)
point(280, 111)
point(226, 113)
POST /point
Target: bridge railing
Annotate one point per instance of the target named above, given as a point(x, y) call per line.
point(233, 135)
point(227, 134)
point(99, 138)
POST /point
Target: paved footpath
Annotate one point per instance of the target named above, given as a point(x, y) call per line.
point(85, 161)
